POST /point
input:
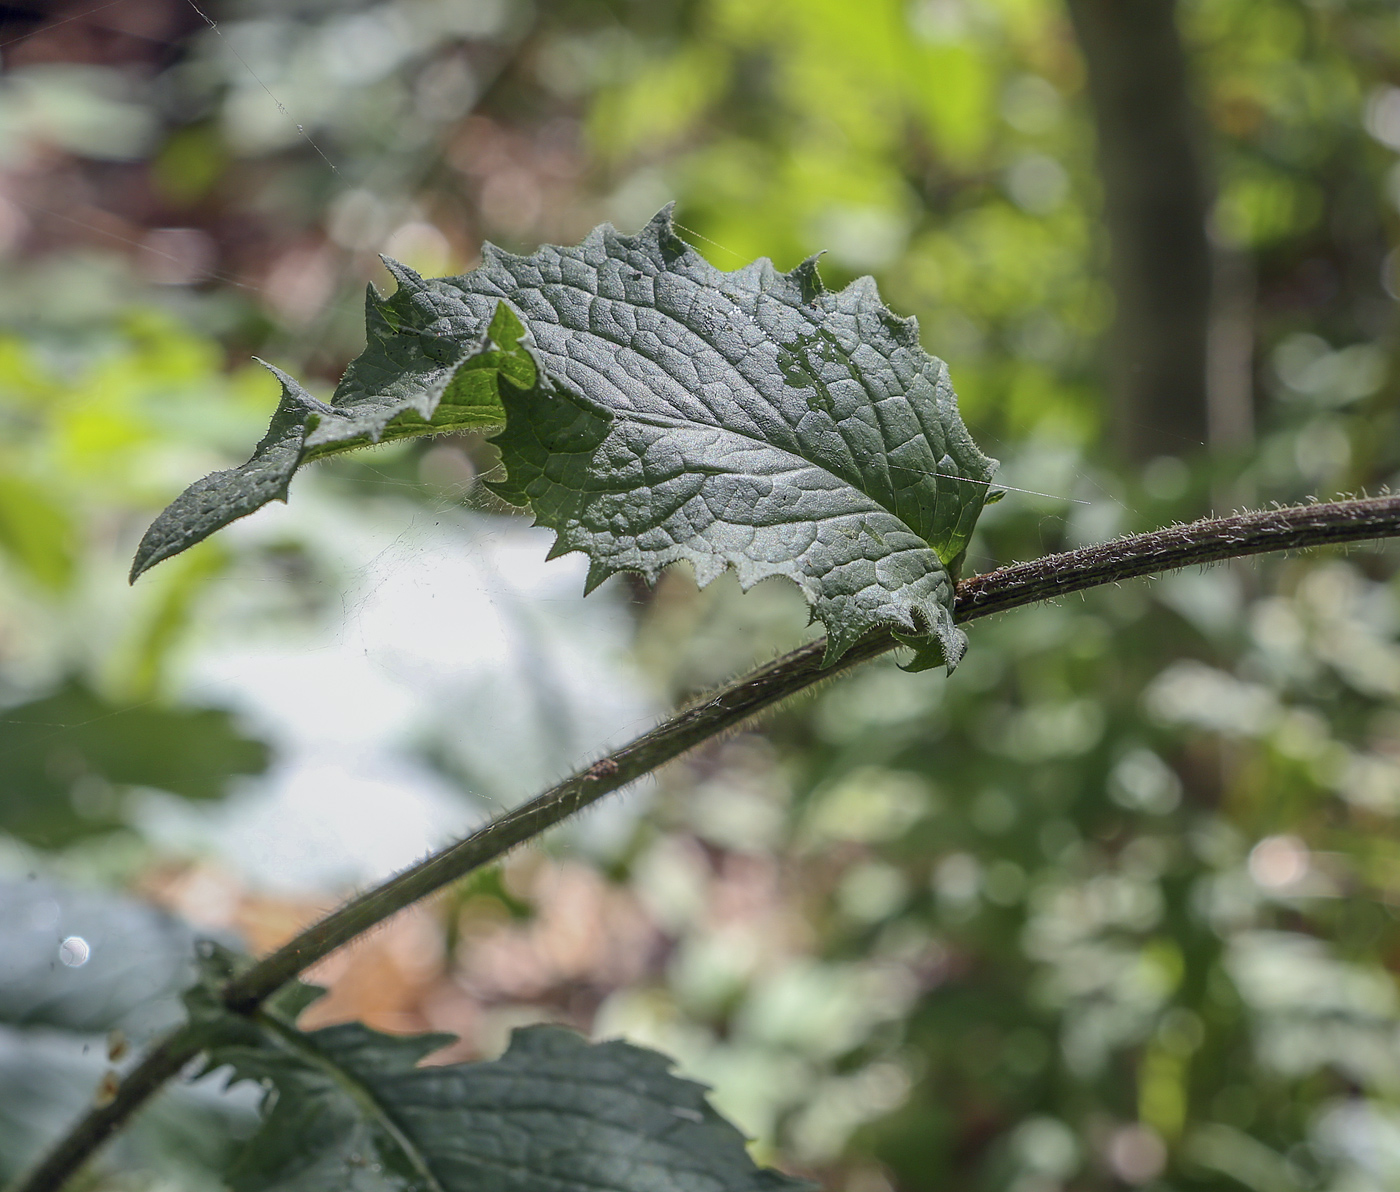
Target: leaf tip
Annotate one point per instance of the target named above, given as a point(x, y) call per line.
point(292, 388)
point(597, 573)
point(942, 645)
point(493, 254)
point(808, 279)
point(661, 231)
point(161, 540)
point(407, 279)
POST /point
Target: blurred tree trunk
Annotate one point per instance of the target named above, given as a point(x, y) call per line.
point(1155, 206)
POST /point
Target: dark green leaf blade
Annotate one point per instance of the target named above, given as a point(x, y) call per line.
point(353, 1110)
point(411, 380)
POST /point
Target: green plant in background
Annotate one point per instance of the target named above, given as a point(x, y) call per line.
point(1115, 903)
point(88, 427)
point(657, 410)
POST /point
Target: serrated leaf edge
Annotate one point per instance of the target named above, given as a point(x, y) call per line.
point(948, 642)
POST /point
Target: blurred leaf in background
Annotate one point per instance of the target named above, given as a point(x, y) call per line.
point(89, 978)
point(68, 757)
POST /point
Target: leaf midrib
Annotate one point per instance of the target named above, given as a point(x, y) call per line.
point(298, 1044)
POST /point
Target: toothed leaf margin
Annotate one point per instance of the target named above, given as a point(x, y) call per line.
point(658, 410)
point(351, 1108)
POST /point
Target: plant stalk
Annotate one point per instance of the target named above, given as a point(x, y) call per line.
point(1205, 541)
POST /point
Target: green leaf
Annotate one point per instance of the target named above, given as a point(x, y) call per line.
point(55, 1020)
point(751, 420)
point(67, 758)
point(350, 1108)
point(407, 382)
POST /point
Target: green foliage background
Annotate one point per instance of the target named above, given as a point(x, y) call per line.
point(1115, 904)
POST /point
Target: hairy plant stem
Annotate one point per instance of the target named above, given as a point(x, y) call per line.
point(996, 591)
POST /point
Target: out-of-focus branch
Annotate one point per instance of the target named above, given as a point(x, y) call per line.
point(1155, 205)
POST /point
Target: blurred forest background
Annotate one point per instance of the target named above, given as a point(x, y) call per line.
point(1117, 905)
